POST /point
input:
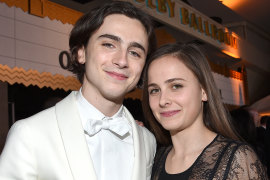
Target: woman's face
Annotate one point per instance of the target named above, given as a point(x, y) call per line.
point(175, 95)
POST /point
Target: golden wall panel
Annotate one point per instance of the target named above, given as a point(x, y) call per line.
point(136, 94)
point(23, 4)
point(235, 75)
point(36, 8)
point(45, 8)
point(224, 70)
point(61, 13)
point(33, 77)
point(163, 37)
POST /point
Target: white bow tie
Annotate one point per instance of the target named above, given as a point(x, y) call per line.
point(117, 125)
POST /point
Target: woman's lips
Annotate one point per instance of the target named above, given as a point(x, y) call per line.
point(169, 113)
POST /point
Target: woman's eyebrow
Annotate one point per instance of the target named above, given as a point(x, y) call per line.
point(150, 85)
point(167, 81)
point(174, 79)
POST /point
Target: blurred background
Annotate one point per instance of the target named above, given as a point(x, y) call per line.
point(235, 35)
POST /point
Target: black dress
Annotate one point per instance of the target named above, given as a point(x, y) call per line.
point(223, 158)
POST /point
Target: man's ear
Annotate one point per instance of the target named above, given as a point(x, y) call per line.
point(81, 55)
point(204, 95)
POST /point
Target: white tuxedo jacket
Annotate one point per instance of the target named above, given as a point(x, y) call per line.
point(51, 145)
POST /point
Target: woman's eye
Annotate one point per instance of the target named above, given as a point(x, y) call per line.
point(177, 86)
point(153, 91)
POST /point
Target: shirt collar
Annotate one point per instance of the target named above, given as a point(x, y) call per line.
point(88, 111)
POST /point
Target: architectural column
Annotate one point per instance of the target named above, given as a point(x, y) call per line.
point(4, 123)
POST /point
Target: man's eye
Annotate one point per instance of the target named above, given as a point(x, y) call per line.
point(135, 54)
point(109, 45)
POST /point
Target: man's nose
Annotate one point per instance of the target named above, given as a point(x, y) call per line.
point(121, 59)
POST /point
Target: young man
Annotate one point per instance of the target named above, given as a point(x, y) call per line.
point(90, 134)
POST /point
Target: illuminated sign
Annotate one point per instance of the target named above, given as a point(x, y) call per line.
point(203, 26)
point(190, 20)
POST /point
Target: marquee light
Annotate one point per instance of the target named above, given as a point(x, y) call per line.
point(232, 4)
point(231, 54)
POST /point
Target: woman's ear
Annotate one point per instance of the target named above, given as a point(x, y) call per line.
point(81, 55)
point(204, 95)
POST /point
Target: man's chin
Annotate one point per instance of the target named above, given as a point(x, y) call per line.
point(115, 97)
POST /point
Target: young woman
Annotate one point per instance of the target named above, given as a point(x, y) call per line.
point(184, 110)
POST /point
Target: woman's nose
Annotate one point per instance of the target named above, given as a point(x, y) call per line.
point(164, 100)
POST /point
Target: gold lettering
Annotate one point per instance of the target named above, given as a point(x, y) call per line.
point(193, 21)
point(220, 35)
point(150, 4)
point(200, 26)
point(227, 38)
point(206, 28)
point(184, 16)
point(171, 8)
point(233, 42)
point(214, 31)
point(162, 6)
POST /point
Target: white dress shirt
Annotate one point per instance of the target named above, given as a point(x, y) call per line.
point(112, 156)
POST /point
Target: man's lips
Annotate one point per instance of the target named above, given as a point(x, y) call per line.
point(116, 75)
point(169, 113)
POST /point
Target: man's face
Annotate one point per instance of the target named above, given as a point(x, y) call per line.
point(114, 58)
point(256, 117)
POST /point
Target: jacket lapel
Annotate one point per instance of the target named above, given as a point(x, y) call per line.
point(73, 139)
point(139, 167)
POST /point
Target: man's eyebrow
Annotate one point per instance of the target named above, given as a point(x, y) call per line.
point(118, 39)
point(110, 36)
point(137, 45)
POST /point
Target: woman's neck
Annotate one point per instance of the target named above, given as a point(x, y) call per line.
point(191, 140)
